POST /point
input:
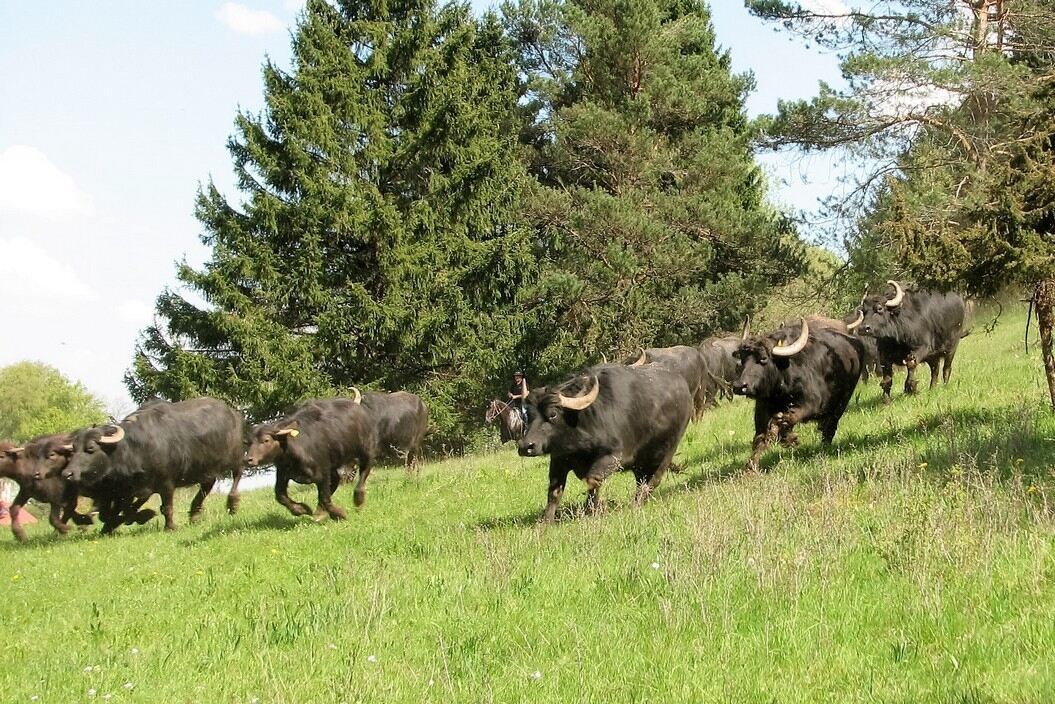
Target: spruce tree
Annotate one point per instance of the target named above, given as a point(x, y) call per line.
point(649, 207)
point(374, 241)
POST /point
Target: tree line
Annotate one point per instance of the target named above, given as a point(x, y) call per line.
point(430, 200)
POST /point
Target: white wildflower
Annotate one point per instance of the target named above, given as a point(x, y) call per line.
point(654, 565)
point(371, 658)
point(536, 675)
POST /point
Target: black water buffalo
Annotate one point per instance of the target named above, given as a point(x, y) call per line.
point(911, 327)
point(795, 375)
point(310, 445)
point(609, 418)
point(688, 363)
point(870, 359)
point(400, 422)
point(158, 448)
point(721, 365)
point(36, 468)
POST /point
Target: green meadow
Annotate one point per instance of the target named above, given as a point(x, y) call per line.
point(914, 561)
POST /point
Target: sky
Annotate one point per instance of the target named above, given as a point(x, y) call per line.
point(114, 112)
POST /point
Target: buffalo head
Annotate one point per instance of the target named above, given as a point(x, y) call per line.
point(552, 413)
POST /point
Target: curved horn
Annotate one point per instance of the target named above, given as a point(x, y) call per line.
point(68, 448)
point(358, 396)
point(114, 438)
point(747, 328)
point(796, 346)
point(604, 358)
point(15, 450)
point(579, 403)
point(898, 295)
point(860, 319)
point(640, 360)
point(864, 294)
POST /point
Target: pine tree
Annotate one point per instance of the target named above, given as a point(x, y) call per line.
point(376, 243)
point(648, 205)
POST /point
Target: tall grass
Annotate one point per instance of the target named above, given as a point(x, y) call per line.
point(913, 561)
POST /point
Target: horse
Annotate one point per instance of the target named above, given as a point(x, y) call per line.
point(512, 423)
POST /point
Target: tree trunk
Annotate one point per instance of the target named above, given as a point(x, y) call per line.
point(1045, 302)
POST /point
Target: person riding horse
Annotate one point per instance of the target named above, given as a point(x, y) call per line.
point(518, 394)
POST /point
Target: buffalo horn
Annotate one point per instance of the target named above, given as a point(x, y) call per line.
point(747, 328)
point(112, 439)
point(640, 360)
point(797, 346)
point(860, 319)
point(898, 295)
point(68, 448)
point(358, 396)
point(579, 403)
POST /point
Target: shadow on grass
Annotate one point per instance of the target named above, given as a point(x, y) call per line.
point(272, 521)
point(993, 438)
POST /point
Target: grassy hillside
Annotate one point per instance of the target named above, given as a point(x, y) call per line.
point(915, 561)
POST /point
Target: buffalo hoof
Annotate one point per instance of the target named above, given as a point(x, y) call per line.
point(790, 440)
point(82, 519)
point(195, 517)
point(911, 388)
point(144, 515)
point(61, 529)
point(299, 509)
point(337, 513)
point(20, 535)
point(359, 498)
point(233, 502)
point(886, 399)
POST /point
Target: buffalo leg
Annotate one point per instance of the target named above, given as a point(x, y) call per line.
point(360, 486)
point(645, 488)
point(55, 519)
point(910, 377)
point(766, 428)
point(70, 514)
point(324, 487)
point(887, 370)
point(933, 364)
point(195, 506)
point(15, 510)
point(946, 369)
point(282, 495)
point(234, 497)
point(167, 493)
point(601, 469)
point(134, 513)
point(558, 478)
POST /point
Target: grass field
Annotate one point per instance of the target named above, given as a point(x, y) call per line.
point(914, 561)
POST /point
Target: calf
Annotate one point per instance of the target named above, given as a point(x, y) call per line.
point(607, 419)
point(310, 445)
point(36, 468)
point(812, 378)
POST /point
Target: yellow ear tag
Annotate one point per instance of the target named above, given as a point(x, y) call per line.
point(780, 343)
point(294, 433)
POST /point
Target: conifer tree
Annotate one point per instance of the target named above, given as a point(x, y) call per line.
point(648, 205)
point(374, 241)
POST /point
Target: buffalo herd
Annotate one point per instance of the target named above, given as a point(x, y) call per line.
point(600, 420)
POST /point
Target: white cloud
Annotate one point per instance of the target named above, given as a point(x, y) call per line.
point(245, 20)
point(30, 183)
point(135, 311)
point(29, 272)
point(825, 7)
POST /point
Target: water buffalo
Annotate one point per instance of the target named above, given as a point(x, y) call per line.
point(310, 445)
point(911, 327)
point(400, 422)
point(36, 468)
point(721, 366)
point(158, 448)
point(609, 418)
point(688, 363)
point(795, 375)
point(870, 360)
